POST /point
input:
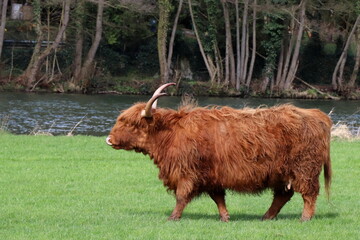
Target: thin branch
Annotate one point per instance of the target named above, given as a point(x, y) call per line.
point(77, 124)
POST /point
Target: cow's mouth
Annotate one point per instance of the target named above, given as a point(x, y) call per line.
point(108, 141)
point(116, 147)
point(119, 147)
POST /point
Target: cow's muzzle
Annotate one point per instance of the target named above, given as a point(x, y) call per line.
point(108, 141)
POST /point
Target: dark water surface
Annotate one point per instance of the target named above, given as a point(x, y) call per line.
point(22, 113)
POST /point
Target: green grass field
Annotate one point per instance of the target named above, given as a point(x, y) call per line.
point(79, 188)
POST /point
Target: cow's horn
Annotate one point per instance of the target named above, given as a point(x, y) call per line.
point(152, 103)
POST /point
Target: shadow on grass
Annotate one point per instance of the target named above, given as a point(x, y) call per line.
point(234, 217)
point(253, 217)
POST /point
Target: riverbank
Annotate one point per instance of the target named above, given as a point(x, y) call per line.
point(24, 113)
point(132, 86)
point(339, 132)
point(80, 188)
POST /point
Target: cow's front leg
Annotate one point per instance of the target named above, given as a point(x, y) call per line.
point(184, 194)
point(281, 197)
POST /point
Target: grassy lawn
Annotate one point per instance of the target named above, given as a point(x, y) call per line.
point(79, 188)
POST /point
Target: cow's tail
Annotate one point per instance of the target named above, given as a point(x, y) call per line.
point(327, 162)
point(327, 174)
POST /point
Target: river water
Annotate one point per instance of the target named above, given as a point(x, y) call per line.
point(59, 114)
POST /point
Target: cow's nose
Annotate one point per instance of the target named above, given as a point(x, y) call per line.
point(108, 141)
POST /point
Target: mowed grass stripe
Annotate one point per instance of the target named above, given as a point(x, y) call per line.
point(79, 188)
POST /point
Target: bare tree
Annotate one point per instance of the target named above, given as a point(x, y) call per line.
point(28, 78)
point(244, 47)
point(87, 68)
point(253, 52)
point(229, 52)
point(244, 68)
point(3, 9)
point(79, 26)
point(355, 71)
point(228, 70)
point(290, 49)
point(163, 25)
point(173, 33)
point(338, 74)
point(212, 70)
point(294, 60)
point(165, 51)
point(146, 6)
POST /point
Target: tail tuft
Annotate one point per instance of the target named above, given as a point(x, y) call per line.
point(327, 176)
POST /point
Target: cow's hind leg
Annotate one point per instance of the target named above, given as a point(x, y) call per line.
point(309, 195)
point(184, 194)
point(309, 207)
point(281, 197)
point(219, 198)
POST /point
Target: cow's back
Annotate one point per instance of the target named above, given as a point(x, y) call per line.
point(252, 149)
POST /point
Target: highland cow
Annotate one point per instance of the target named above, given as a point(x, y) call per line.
point(211, 149)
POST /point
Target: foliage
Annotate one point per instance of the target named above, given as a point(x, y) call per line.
point(284, 2)
point(273, 30)
point(187, 48)
point(146, 58)
point(211, 34)
point(129, 38)
point(315, 66)
point(79, 188)
point(113, 61)
point(126, 29)
point(80, 13)
point(209, 19)
point(17, 57)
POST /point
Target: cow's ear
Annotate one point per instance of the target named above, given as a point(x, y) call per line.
point(146, 121)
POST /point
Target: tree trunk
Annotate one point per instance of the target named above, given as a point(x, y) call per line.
point(238, 69)
point(3, 9)
point(244, 34)
point(338, 71)
point(227, 42)
point(287, 46)
point(86, 69)
point(38, 58)
point(267, 79)
point(294, 61)
point(280, 65)
point(218, 65)
point(246, 59)
point(210, 68)
point(173, 33)
point(79, 41)
point(229, 52)
point(355, 72)
point(253, 53)
point(163, 25)
point(232, 61)
point(78, 56)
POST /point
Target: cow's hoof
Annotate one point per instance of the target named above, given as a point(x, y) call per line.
point(305, 219)
point(225, 218)
point(267, 217)
point(173, 218)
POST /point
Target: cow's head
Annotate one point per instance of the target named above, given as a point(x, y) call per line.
point(131, 128)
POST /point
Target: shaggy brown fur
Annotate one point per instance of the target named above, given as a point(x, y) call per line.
point(208, 150)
